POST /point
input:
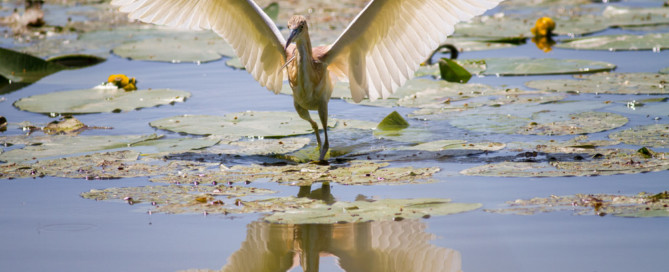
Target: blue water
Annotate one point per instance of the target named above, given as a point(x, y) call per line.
point(46, 225)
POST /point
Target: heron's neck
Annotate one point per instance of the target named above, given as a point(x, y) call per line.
point(304, 48)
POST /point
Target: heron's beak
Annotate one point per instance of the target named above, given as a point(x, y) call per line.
point(292, 36)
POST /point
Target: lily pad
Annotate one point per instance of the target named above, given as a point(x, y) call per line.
point(104, 165)
point(393, 121)
point(640, 205)
point(609, 83)
point(451, 71)
point(357, 173)
point(20, 67)
point(628, 17)
point(442, 145)
point(176, 49)
point(181, 198)
point(363, 211)
point(613, 163)
point(544, 66)
point(63, 145)
point(656, 135)
point(541, 123)
point(651, 41)
point(173, 145)
point(99, 100)
point(577, 145)
point(241, 124)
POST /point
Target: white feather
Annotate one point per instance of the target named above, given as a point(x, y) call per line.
point(394, 37)
point(242, 24)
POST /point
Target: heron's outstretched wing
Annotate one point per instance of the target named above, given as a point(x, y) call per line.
point(387, 41)
point(251, 33)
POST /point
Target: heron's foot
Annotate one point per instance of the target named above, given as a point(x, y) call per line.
point(324, 150)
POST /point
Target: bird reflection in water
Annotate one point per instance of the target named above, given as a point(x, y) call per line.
point(367, 246)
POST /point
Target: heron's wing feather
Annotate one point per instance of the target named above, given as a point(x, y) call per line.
point(387, 41)
point(251, 33)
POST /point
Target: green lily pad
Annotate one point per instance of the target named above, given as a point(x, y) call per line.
point(241, 124)
point(176, 49)
point(494, 26)
point(272, 10)
point(357, 173)
point(173, 145)
point(455, 145)
point(614, 162)
point(641, 205)
point(63, 145)
point(541, 123)
point(451, 71)
point(656, 135)
point(20, 67)
point(651, 41)
point(236, 63)
point(103, 165)
point(99, 100)
point(628, 17)
point(609, 83)
point(213, 199)
point(577, 145)
point(393, 121)
point(363, 211)
point(545, 66)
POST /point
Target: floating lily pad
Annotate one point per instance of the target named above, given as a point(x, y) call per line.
point(627, 17)
point(651, 41)
point(241, 124)
point(19, 67)
point(176, 49)
point(106, 165)
point(451, 71)
point(260, 146)
point(62, 145)
point(357, 173)
point(174, 145)
point(656, 135)
point(99, 100)
point(181, 198)
point(494, 26)
point(235, 63)
point(393, 122)
point(442, 145)
point(610, 83)
point(641, 205)
point(542, 123)
point(615, 162)
point(363, 211)
point(577, 145)
point(545, 66)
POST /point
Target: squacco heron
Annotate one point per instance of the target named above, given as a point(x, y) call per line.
point(377, 53)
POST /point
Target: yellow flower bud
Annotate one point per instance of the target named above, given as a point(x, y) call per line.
point(543, 27)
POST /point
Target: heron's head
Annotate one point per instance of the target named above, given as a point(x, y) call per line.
point(297, 25)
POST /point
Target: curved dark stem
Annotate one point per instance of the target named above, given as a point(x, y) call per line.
point(450, 47)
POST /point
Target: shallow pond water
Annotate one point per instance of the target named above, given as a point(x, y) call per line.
point(45, 224)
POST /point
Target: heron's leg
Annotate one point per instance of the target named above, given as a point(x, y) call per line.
point(304, 114)
point(323, 114)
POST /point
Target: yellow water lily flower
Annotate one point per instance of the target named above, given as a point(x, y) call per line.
point(123, 82)
point(543, 27)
